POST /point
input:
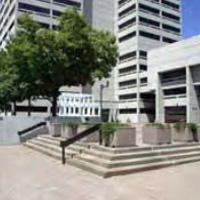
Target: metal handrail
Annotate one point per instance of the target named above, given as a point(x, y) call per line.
point(20, 133)
point(65, 143)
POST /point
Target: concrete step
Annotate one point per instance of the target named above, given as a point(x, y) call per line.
point(138, 161)
point(49, 149)
point(105, 173)
point(143, 154)
point(142, 149)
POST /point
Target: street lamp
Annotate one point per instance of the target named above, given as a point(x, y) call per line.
point(102, 86)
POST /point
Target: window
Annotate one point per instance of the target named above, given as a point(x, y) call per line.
point(149, 35)
point(68, 2)
point(170, 16)
point(127, 23)
point(149, 22)
point(127, 37)
point(126, 11)
point(175, 91)
point(33, 8)
point(143, 80)
point(171, 28)
point(143, 54)
point(128, 96)
point(128, 111)
point(127, 56)
point(149, 9)
point(128, 83)
point(127, 69)
point(168, 40)
point(56, 13)
point(143, 67)
point(170, 4)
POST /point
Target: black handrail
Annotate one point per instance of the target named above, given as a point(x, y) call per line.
point(20, 133)
point(64, 144)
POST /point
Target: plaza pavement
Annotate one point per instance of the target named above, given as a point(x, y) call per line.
point(29, 175)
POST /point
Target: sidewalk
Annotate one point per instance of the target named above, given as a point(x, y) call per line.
point(28, 175)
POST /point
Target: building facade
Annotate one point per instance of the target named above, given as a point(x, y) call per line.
point(141, 25)
point(174, 75)
point(45, 12)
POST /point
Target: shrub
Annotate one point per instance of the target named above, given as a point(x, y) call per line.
point(192, 127)
point(180, 126)
point(158, 125)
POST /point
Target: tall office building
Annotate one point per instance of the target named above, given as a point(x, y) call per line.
point(141, 25)
point(43, 11)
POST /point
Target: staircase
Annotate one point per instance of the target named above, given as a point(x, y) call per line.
point(108, 162)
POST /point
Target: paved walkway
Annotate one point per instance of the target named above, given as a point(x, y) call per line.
point(28, 175)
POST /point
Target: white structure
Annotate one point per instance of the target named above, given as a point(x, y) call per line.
point(78, 105)
point(174, 75)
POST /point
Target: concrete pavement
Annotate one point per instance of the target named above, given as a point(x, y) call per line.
point(29, 175)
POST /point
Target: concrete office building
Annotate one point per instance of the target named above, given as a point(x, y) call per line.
point(43, 11)
point(141, 25)
point(174, 75)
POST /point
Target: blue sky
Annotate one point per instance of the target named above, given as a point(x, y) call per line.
point(191, 17)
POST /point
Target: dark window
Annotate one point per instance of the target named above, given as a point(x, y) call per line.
point(149, 35)
point(122, 2)
point(170, 16)
point(33, 8)
point(127, 10)
point(143, 67)
point(143, 80)
point(128, 111)
point(147, 111)
point(127, 69)
point(127, 56)
point(127, 37)
point(170, 4)
point(143, 54)
point(168, 40)
point(149, 9)
point(128, 96)
point(171, 28)
point(68, 2)
point(127, 23)
point(149, 22)
point(127, 83)
point(176, 91)
point(44, 25)
point(56, 13)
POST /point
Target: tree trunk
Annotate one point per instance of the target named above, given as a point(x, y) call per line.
point(13, 109)
point(29, 106)
point(54, 105)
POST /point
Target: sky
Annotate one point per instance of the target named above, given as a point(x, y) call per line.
point(191, 17)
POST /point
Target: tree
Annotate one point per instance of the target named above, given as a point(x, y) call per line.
point(41, 60)
point(76, 54)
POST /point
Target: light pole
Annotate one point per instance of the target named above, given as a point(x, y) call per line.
point(102, 86)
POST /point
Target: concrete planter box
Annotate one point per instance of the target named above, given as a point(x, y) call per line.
point(122, 137)
point(55, 129)
point(185, 135)
point(69, 132)
point(155, 135)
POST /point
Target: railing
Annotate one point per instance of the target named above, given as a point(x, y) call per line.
point(20, 133)
point(64, 144)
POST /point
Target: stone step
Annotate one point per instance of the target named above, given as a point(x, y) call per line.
point(53, 138)
point(137, 161)
point(48, 140)
point(141, 149)
point(105, 173)
point(131, 155)
point(51, 149)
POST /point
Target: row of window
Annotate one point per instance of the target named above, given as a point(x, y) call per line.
point(146, 35)
point(134, 111)
point(164, 2)
point(149, 9)
point(132, 55)
point(131, 69)
point(132, 82)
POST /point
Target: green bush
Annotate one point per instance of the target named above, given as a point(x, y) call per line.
point(158, 125)
point(180, 126)
point(192, 127)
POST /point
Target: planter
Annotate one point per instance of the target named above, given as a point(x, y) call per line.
point(55, 129)
point(124, 137)
point(68, 131)
point(185, 135)
point(156, 135)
